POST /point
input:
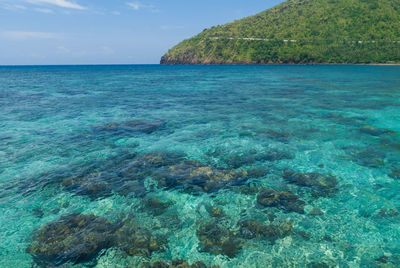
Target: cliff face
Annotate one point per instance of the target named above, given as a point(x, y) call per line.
point(301, 31)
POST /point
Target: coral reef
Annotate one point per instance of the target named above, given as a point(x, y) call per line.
point(320, 185)
point(284, 200)
point(175, 264)
point(217, 239)
point(132, 126)
point(250, 229)
point(74, 238)
point(78, 238)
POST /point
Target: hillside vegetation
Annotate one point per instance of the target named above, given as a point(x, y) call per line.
point(301, 31)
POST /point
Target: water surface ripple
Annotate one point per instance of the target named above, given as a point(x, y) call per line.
point(229, 166)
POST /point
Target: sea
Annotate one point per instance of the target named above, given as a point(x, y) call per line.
point(200, 166)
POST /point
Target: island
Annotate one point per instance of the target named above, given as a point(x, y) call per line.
point(301, 32)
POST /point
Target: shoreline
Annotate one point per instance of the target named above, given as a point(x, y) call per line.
point(204, 64)
point(283, 64)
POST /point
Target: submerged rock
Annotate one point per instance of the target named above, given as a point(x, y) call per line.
point(215, 211)
point(38, 212)
point(123, 174)
point(218, 240)
point(78, 238)
point(373, 156)
point(278, 135)
point(92, 186)
point(74, 238)
point(320, 185)
point(250, 229)
point(387, 213)
point(369, 158)
point(319, 265)
point(257, 172)
point(136, 240)
point(132, 126)
point(376, 131)
point(193, 177)
point(315, 212)
point(145, 126)
point(238, 160)
point(274, 155)
point(395, 173)
point(249, 189)
point(159, 159)
point(386, 261)
point(127, 174)
point(155, 205)
point(286, 201)
point(175, 264)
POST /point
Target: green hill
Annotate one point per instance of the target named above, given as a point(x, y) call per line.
point(301, 31)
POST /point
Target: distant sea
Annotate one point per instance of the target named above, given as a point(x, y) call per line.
point(232, 166)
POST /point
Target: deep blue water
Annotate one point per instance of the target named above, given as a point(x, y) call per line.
point(235, 166)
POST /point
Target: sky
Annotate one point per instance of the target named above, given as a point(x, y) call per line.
point(37, 32)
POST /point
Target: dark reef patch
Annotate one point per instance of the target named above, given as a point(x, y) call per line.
point(370, 156)
point(175, 264)
point(155, 205)
point(387, 213)
point(123, 174)
point(79, 238)
point(193, 177)
point(136, 240)
point(284, 200)
point(94, 186)
point(250, 229)
point(217, 239)
point(131, 127)
point(257, 172)
point(75, 238)
point(215, 211)
point(395, 173)
point(274, 155)
point(240, 159)
point(126, 173)
point(373, 131)
point(320, 185)
point(278, 135)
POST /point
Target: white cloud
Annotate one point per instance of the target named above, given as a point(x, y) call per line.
point(13, 7)
point(105, 50)
point(63, 50)
point(59, 3)
point(135, 5)
point(138, 5)
point(24, 35)
point(44, 10)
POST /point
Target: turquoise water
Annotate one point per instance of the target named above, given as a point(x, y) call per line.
point(239, 166)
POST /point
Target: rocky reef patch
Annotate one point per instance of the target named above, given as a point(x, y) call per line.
point(374, 131)
point(217, 239)
point(79, 238)
point(319, 184)
point(168, 169)
point(74, 238)
point(131, 127)
point(175, 264)
point(250, 229)
point(284, 200)
point(194, 177)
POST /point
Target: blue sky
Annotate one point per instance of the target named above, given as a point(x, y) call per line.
point(108, 31)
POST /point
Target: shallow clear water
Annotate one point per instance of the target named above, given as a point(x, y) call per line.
point(79, 139)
